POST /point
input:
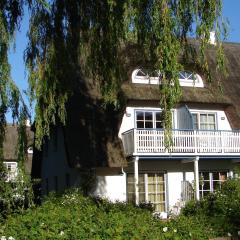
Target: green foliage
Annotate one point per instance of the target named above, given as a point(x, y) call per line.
point(220, 209)
point(72, 216)
point(72, 41)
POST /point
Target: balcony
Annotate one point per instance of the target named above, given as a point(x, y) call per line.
point(150, 142)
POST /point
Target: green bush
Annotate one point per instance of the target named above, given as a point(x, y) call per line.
point(221, 209)
point(73, 216)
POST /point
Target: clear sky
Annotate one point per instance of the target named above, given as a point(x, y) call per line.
point(231, 11)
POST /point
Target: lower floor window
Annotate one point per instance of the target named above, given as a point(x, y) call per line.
point(151, 189)
point(210, 181)
point(11, 168)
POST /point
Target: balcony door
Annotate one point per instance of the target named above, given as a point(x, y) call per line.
point(148, 119)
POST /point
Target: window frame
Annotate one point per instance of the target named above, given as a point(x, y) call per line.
point(199, 113)
point(12, 172)
point(184, 81)
point(211, 181)
point(154, 119)
point(145, 176)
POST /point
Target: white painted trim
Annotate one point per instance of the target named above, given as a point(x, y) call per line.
point(196, 178)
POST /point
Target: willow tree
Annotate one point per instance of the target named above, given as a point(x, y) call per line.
point(68, 38)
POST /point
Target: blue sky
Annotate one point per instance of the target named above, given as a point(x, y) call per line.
point(231, 11)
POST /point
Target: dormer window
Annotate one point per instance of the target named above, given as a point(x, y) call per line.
point(190, 79)
point(186, 78)
point(145, 77)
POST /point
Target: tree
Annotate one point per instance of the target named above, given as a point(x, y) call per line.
point(79, 37)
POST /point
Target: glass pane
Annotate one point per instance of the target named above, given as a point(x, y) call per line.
point(204, 175)
point(141, 177)
point(216, 185)
point(130, 188)
point(206, 185)
point(151, 198)
point(148, 116)
point(203, 118)
point(130, 197)
point(140, 124)
point(223, 176)
point(160, 178)
point(215, 175)
point(151, 178)
point(142, 197)
point(140, 115)
point(130, 177)
point(148, 124)
point(203, 126)
point(141, 187)
point(158, 116)
point(211, 126)
point(159, 125)
point(211, 118)
point(141, 73)
point(160, 187)
point(151, 187)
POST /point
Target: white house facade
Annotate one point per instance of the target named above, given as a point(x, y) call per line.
point(203, 149)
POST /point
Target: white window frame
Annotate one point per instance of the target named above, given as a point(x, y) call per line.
point(12, 171)
point(208, 113)
point(183, 81)
point(146, 191)
point(211, 181)
point(154, 121)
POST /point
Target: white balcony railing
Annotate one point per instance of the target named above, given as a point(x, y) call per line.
point(184, 142)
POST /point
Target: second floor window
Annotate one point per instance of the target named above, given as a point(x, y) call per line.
point(149, 119)
point(204, 121)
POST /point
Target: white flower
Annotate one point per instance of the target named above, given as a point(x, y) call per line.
point(175, 230)
point(229, 234)
point(165, 229)
point(11, 238)
point(3, 238)
point(61, 233)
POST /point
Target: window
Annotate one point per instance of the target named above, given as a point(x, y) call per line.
point(186, 78)
point(145, 76)
point(204, 121)
point(210, 181)
point(11, 168)
point(148, 119)
point(151, 189)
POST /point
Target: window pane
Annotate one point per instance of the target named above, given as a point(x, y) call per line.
point(203, 118)
point(211, 118)
point(223, 176)
point(158, 116)
point(204, 175)
point(140, 124)
point(140, 115)
point(148, 116)
point(148, 124)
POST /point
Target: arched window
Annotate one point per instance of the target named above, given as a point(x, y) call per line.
point(145, 76)
point(186, 78)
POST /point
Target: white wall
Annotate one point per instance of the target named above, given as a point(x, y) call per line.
point(128, 120)
point(111, 187)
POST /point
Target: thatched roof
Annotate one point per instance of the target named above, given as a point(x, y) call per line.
point(91, 132)
point(10, 145)
point(227, 99)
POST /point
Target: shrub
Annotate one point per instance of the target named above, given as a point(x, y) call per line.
point(221, 209)
point(73, 216)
